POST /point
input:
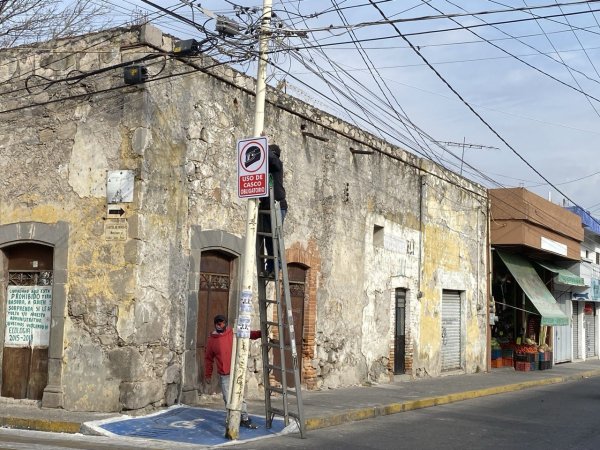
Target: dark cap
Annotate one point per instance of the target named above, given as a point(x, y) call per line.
point(275, 149)
point(220, 318)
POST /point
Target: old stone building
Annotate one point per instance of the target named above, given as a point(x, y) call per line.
point(121, 232)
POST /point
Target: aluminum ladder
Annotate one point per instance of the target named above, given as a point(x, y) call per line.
point(279, 356)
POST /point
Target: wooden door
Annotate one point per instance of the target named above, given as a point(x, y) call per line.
point(28, 300)
point(297, 281)
point(213, 299)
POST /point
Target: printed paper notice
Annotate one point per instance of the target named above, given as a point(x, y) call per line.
point(28, 316)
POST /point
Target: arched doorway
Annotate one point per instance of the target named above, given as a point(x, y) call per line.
point(27, 294)
point(214, 293)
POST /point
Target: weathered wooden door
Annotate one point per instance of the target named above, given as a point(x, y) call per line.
point(28, 303)
point(297, 281)
point(213, 298)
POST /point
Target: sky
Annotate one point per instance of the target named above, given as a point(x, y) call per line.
point(517, 91)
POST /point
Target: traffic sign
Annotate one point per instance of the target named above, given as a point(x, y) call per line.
point(253, 168)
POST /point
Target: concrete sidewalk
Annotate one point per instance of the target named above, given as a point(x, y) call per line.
point(337, 406)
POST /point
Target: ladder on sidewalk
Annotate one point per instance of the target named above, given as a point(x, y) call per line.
point(283, 394)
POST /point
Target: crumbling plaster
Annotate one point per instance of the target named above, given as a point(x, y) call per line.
point(128, 300)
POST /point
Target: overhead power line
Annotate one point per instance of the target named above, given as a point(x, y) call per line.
point(479, 116)
point(537, 69)
point(87, 94)
point(452, 16)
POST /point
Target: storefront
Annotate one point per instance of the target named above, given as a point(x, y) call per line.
point(527, 313)
point(534, 242)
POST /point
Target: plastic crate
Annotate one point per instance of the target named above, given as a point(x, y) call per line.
point(545, 356)
point(545, 365)
point(526, 357)
point(534, 365)
point(523, 366)
point(496, 363)
point(496, 353)
point(507, 353)
point(508, 362)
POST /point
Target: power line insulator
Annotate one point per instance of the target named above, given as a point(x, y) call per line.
point(135, 74)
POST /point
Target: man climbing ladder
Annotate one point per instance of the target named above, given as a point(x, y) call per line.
point(276, 178)
point(276, 319)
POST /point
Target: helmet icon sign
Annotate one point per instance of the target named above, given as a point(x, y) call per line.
point(253, 167)
point(252, 155)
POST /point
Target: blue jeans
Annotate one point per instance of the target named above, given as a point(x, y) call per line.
point(224, 381)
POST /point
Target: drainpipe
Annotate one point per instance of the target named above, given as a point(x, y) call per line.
point(488, 290)
point(422, 182)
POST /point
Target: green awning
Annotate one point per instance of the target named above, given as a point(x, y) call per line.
point(563, 276)
point(534, 289)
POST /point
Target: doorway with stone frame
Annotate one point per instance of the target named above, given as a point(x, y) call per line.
point(217, 276)
point(27, 305)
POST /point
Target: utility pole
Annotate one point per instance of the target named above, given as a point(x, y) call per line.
point(464, 145)
point(239, 356)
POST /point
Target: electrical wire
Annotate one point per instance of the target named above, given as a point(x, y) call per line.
point(331, 28)
point(381, 84)
point(166, 77)
point(476, 113)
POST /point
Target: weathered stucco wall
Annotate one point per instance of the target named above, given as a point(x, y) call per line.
point(364, 224)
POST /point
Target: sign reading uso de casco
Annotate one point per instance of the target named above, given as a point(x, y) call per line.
point(253, 168)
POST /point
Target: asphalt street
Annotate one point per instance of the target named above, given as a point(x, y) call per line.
point(560, 416)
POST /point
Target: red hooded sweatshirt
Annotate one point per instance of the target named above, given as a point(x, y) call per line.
point(219, 349)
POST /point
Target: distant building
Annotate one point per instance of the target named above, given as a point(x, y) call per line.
point(585, 330)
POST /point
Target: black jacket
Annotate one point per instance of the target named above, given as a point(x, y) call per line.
point(276, 171)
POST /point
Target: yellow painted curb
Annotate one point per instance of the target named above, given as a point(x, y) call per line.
point(314, 423)
point(53, 426)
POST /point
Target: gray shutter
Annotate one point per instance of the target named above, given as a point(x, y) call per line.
point(575, 330)
point(451, 330)
point(590, 335)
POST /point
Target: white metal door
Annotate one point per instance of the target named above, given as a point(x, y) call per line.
point(589, 322)
point(451, 331)
point(575, 323)
point(562, 334)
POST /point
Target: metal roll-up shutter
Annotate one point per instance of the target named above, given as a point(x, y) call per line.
point(590, 332)
point(575, 330)
point(451, 330)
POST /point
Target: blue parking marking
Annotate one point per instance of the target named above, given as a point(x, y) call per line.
point(186, 424)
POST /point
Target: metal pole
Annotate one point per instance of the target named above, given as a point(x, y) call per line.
point(240, 356)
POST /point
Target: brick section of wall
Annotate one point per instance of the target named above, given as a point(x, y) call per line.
point(310, 258)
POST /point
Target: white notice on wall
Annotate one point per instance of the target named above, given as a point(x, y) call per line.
point(119, 186)
point(28, 311)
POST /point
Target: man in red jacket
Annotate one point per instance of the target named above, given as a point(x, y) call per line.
point(220, 343)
